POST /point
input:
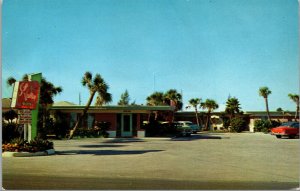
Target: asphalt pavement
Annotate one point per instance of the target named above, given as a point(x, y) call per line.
point(246, 161)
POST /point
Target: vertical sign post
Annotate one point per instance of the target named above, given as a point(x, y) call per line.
point(34, 112)
point(25, 97)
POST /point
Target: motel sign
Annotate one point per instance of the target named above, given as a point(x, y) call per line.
point(25, 95)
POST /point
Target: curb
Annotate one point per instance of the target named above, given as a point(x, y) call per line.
point(28, 154)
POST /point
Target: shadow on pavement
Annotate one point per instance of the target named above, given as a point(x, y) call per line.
point(196, 137)
point(101, 146)
point(104, 152)
point(124, 140)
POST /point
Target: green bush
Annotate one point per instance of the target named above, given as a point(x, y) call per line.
point(262, 126)
point(265, 125)
point(237, 124)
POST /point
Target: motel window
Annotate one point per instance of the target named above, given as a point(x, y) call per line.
point(73, 119)
point(90, 120)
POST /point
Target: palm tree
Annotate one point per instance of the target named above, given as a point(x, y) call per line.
point(173, 98)
point(232, 106)
point(295, 98)
point(103, 99)
point(210, 105)
point(194, 102)
point(157, 98)
point(265, 92)
point(95, 85)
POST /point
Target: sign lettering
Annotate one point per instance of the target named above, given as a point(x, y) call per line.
point(27, 95)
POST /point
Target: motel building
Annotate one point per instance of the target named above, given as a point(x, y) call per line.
point(125, 121)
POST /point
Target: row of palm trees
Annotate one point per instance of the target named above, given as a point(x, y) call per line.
point(233, 105)
point(265, 92)
point(97, 85)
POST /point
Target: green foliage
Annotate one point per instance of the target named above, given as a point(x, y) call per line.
point(232, 106)
point(157, 98)
point(171, 97)
point(237, 124)
point(124, 98)
point(226, 122)
point(39, 145)
point(264, 92)
point(279, 109)
point(210, 105)
point(262, 126)
point(265, 125)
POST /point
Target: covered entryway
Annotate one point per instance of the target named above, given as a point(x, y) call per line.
point(126, 125)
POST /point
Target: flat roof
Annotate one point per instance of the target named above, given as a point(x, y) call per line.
point(115, 108)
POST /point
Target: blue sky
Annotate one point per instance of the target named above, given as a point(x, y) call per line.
point(202, 48)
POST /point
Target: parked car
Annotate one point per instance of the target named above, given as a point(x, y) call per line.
point(195, 128)
point(182, 130)
point(287, 129)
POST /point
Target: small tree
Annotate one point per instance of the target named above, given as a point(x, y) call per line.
point(124, 98)
point(237, 124)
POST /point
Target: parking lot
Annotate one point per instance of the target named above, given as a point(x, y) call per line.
point(202, 161)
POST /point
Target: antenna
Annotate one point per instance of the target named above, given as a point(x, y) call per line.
point(153, 81)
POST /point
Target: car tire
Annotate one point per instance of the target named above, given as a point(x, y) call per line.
point(278, 136)
point(291, 136)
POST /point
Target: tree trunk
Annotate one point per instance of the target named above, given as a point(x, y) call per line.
point(82, 115)
point(297, 112)
point(207, 120)
point(197, 118)
point(267, 108)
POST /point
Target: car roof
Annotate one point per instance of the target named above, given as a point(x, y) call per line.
point(290, 122)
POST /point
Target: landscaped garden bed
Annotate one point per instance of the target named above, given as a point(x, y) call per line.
point(21, 148)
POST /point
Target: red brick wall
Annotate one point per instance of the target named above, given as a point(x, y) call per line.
point(107, 117)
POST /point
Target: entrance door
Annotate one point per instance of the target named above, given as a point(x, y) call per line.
point(126, 128)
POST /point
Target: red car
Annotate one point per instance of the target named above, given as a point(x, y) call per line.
point(289, 129)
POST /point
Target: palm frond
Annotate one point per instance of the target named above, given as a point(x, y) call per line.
point(10, 81)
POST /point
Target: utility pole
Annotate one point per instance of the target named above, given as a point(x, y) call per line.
point(79, 99)
point(154, 81)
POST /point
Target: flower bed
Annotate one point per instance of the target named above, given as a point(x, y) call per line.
point(20, 147)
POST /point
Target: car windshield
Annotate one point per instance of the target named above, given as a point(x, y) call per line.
point(291, 124)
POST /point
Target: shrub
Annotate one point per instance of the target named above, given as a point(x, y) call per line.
point(265, 125)
point(10, 131)
point(237, 124)
point(20, 145)
point(262, 126)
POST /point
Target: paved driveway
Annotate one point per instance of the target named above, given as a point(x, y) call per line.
point(202, 161)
